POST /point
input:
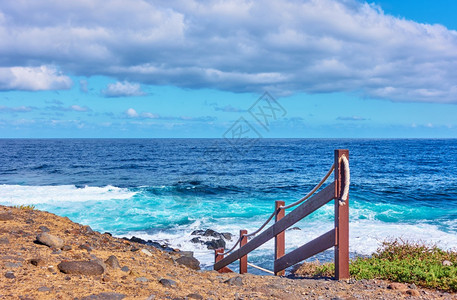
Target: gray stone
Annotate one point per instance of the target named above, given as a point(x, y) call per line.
point(86, 247)
point(66, 248)
point(88, 230)
point(6, 216)
point(189, 262)
point(10, 275)
point(44, 229)
point(186, 253)
point(125, 269)
point(235, 281)
point(195, 296)
point(227, 235)
point(44, 289)
point(167, 282)
point(12, 264)
point(141, 279)
point(50, 240)
point(4, 241)
point(104, 296)
point(152, 297)
point(112, 262)
point(81, 267)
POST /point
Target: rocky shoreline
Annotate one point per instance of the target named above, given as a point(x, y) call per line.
point(44, 256)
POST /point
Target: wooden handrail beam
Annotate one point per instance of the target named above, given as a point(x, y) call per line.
point(309, 249)
point(309, 206)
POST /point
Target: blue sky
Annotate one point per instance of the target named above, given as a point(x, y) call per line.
point(382, 69)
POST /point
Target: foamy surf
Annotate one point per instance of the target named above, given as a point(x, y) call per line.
point(32, 195)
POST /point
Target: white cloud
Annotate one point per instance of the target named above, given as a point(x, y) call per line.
point(284, 46)
point(33, 79)
point(21, 108)
point(79, 108)
point(123, 89)
point(131, 113)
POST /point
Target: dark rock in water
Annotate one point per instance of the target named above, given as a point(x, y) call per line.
point(10, 275)
point(210, 232)
point(81, 267)
point(137, 240)
point(189, 262)
point(4, 241)
point(195, 296)
point(104, 296)
point(295, 228)
point(227, 235)
point(196, 240)
point(44, 229)
point(235, 281)
point(6, 216)
point(198, 232)
point(215, 244)
point(113, 262)
point(50, 240)
point(167, 282)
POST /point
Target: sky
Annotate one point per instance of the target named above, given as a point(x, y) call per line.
point(220, 68)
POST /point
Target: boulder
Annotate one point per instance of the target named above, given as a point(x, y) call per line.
point(50, 240)
point(81, 267)
point(113, 262)
point(189, 262)
point(215, 244)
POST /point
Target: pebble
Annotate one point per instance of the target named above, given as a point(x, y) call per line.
point(396, 286)
point(44, 229)
point(235, 281)
point(50, 240)
point(104, 296)
point(125, 269)
point(146, 251)
point(414, 293)
point(10, 275)
point(141, 279)
point(86, 247)
point(4, 241)
point(112, 262)
point(195, 296)
point(81, 267)
point(189, 262)
point(167, 282)
point(44, 289)
point(66, 248)
point(12, 264)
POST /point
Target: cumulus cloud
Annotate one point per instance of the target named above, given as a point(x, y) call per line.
point(76, 108)
point(283, 46)
point(123, 89)
point(33, 78)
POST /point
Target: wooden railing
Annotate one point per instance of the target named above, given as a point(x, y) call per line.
point(337, 237)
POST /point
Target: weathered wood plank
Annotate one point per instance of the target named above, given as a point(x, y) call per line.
point(309, 206)
point(317, 245)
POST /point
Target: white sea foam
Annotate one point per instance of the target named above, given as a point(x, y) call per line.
point(25, 195)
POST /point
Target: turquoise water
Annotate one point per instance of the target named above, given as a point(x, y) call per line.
point(163, 189)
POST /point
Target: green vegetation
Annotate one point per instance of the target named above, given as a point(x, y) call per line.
point(25, 207)
point(399, 261)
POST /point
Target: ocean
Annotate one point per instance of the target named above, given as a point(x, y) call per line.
point(163, 189)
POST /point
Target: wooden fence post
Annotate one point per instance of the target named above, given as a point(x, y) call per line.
point(280, 247)
point(243, 259)
point(218, 257)
point(341, 220)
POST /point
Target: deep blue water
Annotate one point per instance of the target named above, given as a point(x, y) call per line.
point(163, 189)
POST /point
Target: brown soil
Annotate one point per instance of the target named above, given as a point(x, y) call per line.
point(20, 279)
